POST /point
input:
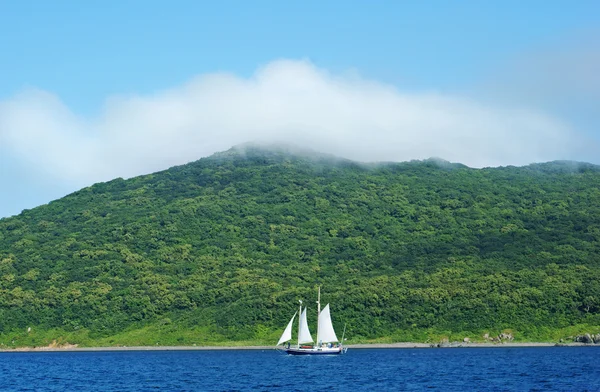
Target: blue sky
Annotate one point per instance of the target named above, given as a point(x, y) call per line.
point(101, 89)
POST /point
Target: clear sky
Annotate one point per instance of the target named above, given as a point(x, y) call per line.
point(93, 90)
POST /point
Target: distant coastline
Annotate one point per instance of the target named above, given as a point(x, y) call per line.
point(403, 345)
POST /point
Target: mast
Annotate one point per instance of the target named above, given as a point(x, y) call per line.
point(318, 315)
point(299, 323)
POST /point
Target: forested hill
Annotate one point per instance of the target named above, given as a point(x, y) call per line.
point(221, 249)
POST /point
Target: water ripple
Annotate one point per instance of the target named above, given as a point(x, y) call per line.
point(482, 369)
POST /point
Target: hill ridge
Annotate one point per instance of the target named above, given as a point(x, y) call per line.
point(222, 249)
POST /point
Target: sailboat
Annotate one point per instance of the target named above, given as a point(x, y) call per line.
point(327, 342)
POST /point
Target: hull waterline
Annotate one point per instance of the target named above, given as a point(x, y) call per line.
point(312, 351)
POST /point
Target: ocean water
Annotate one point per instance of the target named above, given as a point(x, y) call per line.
point(443, 369)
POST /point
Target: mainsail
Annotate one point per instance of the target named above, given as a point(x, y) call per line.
point(326, 332)
point(287, 334)
point(303, 332)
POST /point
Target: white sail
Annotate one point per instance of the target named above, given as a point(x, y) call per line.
point(304, 333)
point(287, 334)
point(326, 332)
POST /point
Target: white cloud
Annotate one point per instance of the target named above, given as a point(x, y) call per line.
point(286, 101)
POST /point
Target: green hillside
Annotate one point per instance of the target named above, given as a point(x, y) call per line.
point(220, 250)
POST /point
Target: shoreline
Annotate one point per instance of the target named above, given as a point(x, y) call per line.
point(401, 345)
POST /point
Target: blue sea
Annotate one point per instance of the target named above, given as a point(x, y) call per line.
point(440, 369)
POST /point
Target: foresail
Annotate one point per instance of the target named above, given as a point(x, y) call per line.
point(287, 334)
point(326, 332)
point(304, 333)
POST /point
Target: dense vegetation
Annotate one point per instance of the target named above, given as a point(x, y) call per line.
point(220, 250)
